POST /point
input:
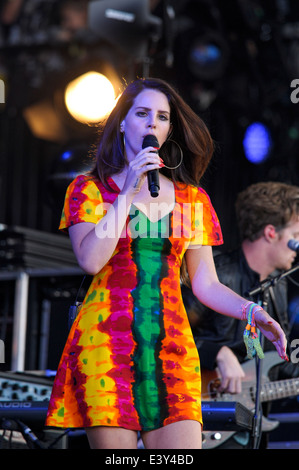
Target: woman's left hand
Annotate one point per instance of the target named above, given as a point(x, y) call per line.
point(272, 331)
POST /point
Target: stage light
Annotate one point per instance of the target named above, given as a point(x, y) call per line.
point(208, 54)
point(72, 160)
point(204, 59)
point(205, 54)
point(257, 143)
point(66, 155)
point(90, 97)
point(128, 25)
point(77, 101)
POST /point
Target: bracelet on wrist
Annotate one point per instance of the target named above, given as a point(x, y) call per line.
point(250, 335)
point(244, 310)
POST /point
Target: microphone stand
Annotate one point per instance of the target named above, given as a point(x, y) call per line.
point(267, 283)
point(262, 289)
point(258, 412)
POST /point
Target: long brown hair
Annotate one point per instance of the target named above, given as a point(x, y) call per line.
point(188, 130)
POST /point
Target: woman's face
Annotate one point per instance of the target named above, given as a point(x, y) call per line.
point(149, 114)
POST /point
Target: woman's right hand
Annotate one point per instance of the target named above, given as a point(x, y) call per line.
point(146, 160)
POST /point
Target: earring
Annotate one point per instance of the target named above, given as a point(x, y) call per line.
point(181, 155)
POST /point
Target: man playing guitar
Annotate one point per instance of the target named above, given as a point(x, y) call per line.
point(268, 218)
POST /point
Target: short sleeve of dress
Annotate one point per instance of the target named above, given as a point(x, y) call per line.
point(206, 228)
point(82, 203)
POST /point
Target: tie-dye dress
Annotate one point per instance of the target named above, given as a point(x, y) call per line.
point(130, 359)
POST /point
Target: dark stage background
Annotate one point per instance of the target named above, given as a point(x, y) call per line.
point(235, 61)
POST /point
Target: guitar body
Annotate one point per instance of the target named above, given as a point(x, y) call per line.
point(211, 381)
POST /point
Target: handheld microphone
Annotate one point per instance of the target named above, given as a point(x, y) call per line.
point(152, 175)
point(294, 245)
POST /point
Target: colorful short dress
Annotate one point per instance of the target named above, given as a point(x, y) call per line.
point(130, 359)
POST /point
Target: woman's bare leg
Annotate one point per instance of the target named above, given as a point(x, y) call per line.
point(181, 435)
point(106, 437)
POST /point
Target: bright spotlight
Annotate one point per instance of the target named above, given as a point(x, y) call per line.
point(257, 143)
point(90, 97)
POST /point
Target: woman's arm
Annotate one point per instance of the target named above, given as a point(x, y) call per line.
point(94, 244)
point(207, 288)
point(206, 285)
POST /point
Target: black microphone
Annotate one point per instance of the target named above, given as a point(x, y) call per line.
point(294, 245)
point(153, 175)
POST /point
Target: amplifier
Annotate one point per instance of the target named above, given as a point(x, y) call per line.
point(22, 247)
point(30, 386)
point(226, 416)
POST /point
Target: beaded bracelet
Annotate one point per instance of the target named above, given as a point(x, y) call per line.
point(244, 313)
point(250, 335)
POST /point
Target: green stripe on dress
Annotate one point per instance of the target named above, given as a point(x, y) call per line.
point(147, 321)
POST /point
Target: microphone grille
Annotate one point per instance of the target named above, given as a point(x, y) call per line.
point(293, 245)
point(150, 140)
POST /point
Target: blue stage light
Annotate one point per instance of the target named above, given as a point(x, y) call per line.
point(67, 155)
point(257, 143)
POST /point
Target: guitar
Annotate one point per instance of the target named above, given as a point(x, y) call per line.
point(269, 391)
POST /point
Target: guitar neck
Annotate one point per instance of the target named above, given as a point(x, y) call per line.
point(279, 389)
